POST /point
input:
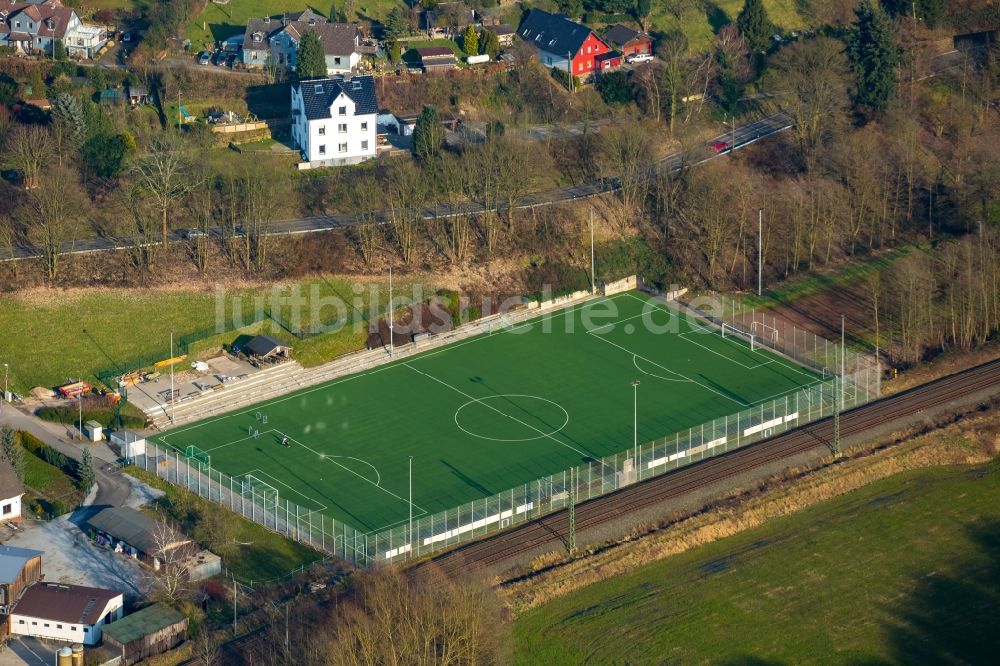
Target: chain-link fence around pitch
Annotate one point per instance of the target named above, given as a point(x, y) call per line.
point(846, 377)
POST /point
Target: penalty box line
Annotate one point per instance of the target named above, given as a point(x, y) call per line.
point(326, 457)
point(322, 507)
point(502, 413)
point(662, 367)
point(768, 355)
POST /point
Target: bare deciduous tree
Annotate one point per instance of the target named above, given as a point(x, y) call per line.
point(165, 174)
point(52, 214)
point(28, 149)
point(406, 194)
point(367, 234)
point(394, 621)
point(627, 150)
point(172, 580)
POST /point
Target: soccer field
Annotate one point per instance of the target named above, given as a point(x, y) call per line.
point(492, 412)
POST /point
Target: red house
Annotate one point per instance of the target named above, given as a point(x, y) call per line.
point(628, 41)
point(567, 45)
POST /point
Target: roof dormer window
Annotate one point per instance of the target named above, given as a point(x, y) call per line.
point(312, 21)
point(267, 19)
point(258, 36)
point(50, 24)
point(318, 89)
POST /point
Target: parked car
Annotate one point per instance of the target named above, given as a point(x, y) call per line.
point(638, 57)
point(231, 60)
point(204, 58)
point(719, 146)
point(126, 36)
point(219, 59)
point(191, 234)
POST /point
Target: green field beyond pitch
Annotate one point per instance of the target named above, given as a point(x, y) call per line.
point(492, 412)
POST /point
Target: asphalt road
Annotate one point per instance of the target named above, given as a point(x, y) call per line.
point(742, 136)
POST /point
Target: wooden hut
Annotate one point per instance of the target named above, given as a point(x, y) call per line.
point(145, 633)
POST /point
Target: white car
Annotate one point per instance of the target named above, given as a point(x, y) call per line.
point(638, 57)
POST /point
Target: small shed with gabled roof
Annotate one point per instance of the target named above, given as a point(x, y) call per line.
point(145, 633)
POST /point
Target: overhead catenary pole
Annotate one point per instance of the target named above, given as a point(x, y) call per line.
point(234, 605)
point(635, 427)
point(760, 251)
point(571, 511)
point(79, 398)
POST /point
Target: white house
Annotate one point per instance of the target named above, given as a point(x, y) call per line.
point(11, 490)
point(61, 612)
point(334, 120)
point(276, 41)
point(34, 27)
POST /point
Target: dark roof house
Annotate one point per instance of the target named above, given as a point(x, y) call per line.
point(553, 33)
point(435, 58)
point(74, 604)
point(317, 98)
point(138, 530)
point(627, 40)
point(10, 485)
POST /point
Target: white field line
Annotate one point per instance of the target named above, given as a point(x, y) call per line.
point(502, 413)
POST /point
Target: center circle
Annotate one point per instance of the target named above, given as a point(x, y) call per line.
point(511, 417)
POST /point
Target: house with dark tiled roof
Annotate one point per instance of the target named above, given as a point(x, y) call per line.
point(334, 120)
point(34, 28)
point(60, 612)
point(630, 42)
point(274, 40)
point(436, 58)
point(11, 490)
point(567, 45)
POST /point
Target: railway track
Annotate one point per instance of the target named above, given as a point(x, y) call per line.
point(552, 528)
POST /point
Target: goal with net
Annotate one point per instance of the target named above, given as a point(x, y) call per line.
point(732, 330)
point(260, 492)
point(194, 453)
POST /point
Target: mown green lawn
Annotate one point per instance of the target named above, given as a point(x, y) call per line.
point(701, 21)
point(217, 22)
point(904, 571)
point(86, 332)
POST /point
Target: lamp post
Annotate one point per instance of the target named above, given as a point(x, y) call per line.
point(171, 377)
point(6, 376)
point(635, 426)
point(389, 311)
point(409, 533)
point(760, 251)
point(732, 127)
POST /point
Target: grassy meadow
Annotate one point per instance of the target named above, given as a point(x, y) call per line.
point(69, 334)
point(906, 570)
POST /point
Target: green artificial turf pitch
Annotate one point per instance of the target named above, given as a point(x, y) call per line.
point(492, 412)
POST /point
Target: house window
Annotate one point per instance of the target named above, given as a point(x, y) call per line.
point(34, 624)
point(342, 111)
point(336, 60)
point(46, 625)
point(322, 130)
point(590, 64)
point(86, 630)
point(342, 127)
point(364, 145)
point(579, 66)
point(20, 621)
point(341, 147)
point(322, 149)
point(364, 127)
point(7, 508)
point(58, 626)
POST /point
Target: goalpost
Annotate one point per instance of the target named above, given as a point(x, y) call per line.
point(192, 452)
point(260, 492)
point(764, 331)
point(740, 332)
